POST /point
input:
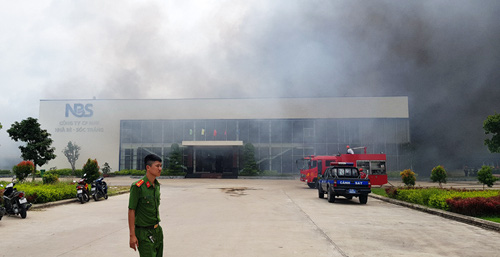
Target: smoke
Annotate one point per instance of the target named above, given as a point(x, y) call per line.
point(444, 55)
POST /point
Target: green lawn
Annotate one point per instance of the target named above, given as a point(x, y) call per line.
point(379, 191)
point(494, 219)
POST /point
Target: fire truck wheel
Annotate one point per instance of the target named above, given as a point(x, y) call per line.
point(363, 199)
point(311, 185)
point(331, 195)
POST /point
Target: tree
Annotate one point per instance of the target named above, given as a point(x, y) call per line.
point(492, 126)
point(249, 165)
point(91, 170)
point(408, 177)
point(72, 152)
point(438, 174)
point(38, 142)
point(175, 166)
point(106, 169)
point(485, 176)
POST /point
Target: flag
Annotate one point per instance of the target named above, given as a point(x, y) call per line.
point(190, 132)
point(202, 132)
point(215, 132)
point(225, 133)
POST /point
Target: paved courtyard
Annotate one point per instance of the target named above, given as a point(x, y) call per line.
point(243, 217)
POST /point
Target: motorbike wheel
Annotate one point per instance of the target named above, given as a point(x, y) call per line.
point(87, 197)
point(80, 198)
point(95, 197)
point(105, 196)
point(22, 211)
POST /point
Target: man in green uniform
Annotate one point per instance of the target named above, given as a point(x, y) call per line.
point(146, 233)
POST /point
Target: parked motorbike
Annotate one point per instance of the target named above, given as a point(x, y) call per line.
point(99, 189)
point(14, 201)
point(82, 190)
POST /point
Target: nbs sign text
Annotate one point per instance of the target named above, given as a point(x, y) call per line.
point(79, 110)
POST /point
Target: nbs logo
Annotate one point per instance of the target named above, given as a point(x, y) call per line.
point(80, 110)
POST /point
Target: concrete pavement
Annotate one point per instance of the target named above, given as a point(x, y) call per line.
point(207, 217)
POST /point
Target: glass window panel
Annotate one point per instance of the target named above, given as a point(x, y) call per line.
point(264, 131)
point(276, 133)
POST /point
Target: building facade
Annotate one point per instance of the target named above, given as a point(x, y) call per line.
point(211, 132)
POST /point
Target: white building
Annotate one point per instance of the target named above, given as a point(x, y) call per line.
point(212, 131)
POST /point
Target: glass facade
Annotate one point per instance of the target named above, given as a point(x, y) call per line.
point(278, 143)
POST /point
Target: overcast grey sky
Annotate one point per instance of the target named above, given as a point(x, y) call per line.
point(444, 55)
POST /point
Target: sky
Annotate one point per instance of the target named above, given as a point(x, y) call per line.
point(443, 54)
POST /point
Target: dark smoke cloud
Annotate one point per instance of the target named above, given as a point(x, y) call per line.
point(443, 55)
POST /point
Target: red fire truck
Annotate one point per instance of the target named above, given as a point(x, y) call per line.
point(372, 164)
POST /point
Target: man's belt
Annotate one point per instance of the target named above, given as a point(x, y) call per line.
point(148, 227)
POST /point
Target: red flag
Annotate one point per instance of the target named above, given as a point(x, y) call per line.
point(215, 133)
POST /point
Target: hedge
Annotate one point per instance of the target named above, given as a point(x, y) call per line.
point(436, 197)
point(130, 172)
point(5, 172)
point(475, 206)
point(42, 193)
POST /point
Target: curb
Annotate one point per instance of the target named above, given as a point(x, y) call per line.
point(66, 201)
point(486, 224)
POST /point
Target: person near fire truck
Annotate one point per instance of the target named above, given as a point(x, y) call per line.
point(349, 150)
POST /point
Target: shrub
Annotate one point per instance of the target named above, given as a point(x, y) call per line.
point(23, 169)
point(408, 177)
point(91, 170)
point(131, 172)
point(42, 193)
point(50, 178)
point(250, 167)
point(169, 172)
point(63, 172)
point(485, 176)
point(391, 192)
point(78, 173)
point(438, 174)
point(476, 206)
point(435, 197)
point(5, 172)
point(175, 161)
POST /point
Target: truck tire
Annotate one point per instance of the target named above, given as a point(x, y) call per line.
point(331, 195)
point(321, 194)
point(363, 199)
point(311, 185)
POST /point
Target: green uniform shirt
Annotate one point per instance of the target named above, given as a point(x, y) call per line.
point(145, 200)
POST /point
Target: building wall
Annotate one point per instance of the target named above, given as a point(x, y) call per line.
point(278, 142)
point(94, 125)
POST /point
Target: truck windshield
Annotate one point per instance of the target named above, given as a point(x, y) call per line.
point(302, 164)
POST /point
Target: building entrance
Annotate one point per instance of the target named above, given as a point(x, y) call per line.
point(212, 159)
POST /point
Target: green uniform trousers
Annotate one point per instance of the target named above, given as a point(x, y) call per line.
point(150, 241)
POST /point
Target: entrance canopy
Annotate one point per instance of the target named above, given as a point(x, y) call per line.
point(212, 143)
